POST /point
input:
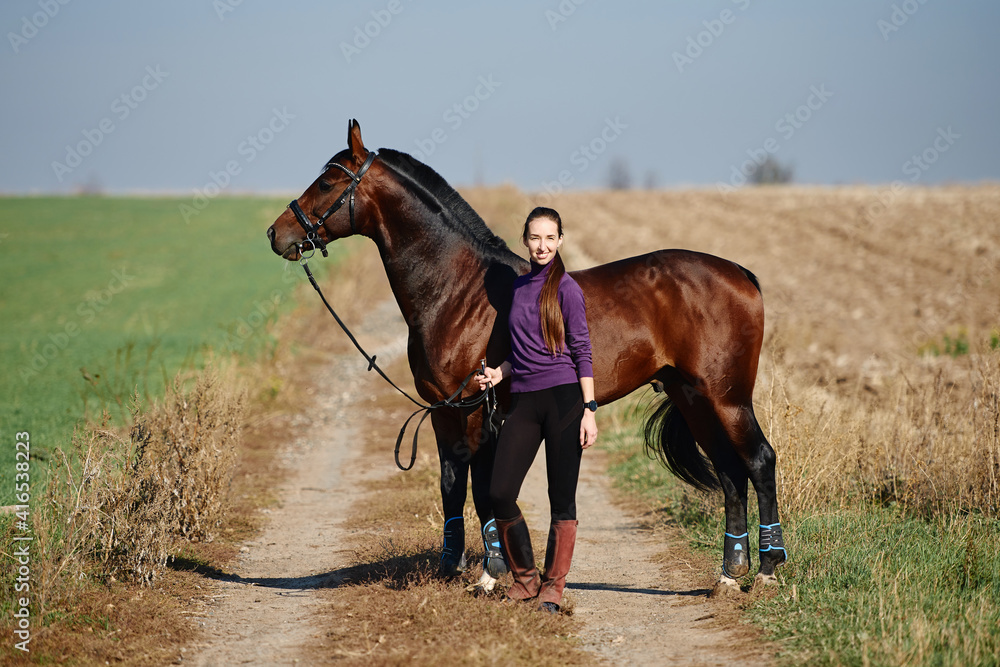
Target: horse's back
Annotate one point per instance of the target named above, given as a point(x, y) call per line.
point(669, 308)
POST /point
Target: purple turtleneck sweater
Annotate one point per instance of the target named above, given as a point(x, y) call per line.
point(532, 364)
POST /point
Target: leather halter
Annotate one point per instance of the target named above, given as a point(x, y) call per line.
point(312, 229)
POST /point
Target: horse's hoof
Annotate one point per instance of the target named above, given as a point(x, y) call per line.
point(450, 568)
point(449, 572)
point(549, 608)
point(484, 586)
point(725, 587)
point(763, 580)
point(495, 566)
point(737, 566)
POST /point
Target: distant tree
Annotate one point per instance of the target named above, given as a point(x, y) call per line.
point(650, 181)
point(619, 177)
point(91, 186)
point(772, 172)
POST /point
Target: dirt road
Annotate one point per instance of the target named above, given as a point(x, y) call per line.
point(634, 611)
point(266, 612)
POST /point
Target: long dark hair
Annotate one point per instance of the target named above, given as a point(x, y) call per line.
point(553, 329)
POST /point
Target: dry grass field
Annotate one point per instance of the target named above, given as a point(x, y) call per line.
point(879, 364)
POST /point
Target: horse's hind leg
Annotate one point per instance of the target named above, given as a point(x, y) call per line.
point(708, 427)
point(761, 466)
point(736, 542)
point(758, 459)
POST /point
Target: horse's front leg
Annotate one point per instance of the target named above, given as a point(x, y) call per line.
point(476, 450)
point(454, 457)
point(483, 439)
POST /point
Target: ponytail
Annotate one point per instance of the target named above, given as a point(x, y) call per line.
point(553, 328)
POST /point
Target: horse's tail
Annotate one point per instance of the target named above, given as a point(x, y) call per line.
point(668, 438)
point(752, 278)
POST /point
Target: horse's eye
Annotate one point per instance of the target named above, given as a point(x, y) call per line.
point(324, 186)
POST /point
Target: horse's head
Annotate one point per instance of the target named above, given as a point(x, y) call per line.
point(312, 221)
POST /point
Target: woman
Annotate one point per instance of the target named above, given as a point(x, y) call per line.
point(552, 398)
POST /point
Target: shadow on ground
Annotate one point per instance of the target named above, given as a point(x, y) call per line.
point(396, 572)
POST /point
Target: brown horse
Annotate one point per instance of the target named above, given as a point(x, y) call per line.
point(688, 323)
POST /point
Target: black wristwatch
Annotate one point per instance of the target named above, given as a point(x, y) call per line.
point(592, 406)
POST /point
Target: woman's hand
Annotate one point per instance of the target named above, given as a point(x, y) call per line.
point(588, 429)
point(493, 376)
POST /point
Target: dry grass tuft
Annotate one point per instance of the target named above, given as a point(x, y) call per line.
point(193, 438)
point(927, 440)
point(122, 501)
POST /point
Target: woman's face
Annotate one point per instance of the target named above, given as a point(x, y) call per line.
point(543, 240)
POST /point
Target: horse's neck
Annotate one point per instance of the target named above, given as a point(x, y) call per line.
point(426, 265)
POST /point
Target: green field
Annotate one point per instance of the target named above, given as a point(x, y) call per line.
point(105, 296)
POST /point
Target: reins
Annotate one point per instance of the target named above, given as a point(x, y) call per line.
point(488, 396)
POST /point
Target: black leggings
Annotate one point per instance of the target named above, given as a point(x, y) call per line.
point(553, 415)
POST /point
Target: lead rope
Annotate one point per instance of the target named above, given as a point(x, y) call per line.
point(488, 396)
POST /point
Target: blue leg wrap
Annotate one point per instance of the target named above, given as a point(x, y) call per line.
point(771, 540)
point(493, 563)
point(453, 551)
point(736, 555)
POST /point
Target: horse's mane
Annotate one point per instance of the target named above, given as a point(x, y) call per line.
point(437, 194)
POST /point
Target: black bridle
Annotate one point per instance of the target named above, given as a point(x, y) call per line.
point(312, 235)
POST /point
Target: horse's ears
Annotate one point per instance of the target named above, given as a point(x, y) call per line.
point(354, 140)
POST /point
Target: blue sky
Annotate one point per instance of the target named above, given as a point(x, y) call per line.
point(257, 95)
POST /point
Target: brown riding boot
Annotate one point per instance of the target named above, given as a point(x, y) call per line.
point(558, 556)
point(516, 544)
